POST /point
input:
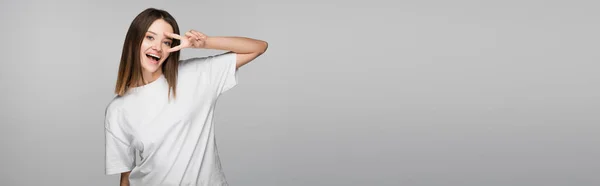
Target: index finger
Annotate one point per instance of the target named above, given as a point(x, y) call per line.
point(172, 35)
point(179, 47)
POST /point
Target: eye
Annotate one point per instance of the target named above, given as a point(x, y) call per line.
point(168, 43)
point(150, 38)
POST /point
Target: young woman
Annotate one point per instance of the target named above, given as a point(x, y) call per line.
point(164, 106)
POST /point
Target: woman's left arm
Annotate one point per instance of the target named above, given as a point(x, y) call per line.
point(246, 49)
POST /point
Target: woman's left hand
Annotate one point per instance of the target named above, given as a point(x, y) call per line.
point(192, 39)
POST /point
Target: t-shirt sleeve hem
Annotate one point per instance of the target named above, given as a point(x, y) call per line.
point(232, 73)
point(111, 171)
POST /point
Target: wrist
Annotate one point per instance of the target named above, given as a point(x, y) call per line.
point(209, 42)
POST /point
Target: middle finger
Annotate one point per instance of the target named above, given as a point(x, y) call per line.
point(191, 36)
point(198, 34)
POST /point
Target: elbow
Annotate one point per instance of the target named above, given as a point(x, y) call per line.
point(263, 47)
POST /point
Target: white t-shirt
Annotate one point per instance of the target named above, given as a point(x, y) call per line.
point(176, 139)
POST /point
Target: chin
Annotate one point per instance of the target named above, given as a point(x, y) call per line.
point(149, 67)
point(150, 70)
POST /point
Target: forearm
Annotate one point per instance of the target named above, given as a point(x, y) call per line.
point(125, 179)
point(240, 45)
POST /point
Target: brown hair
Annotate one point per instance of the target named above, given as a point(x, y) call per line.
point(130, 69)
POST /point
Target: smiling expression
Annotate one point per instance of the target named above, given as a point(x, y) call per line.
point(154, 47)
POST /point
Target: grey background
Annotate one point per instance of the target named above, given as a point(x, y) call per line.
point(418, 93)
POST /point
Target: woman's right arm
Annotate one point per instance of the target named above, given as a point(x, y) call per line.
point(125, 178)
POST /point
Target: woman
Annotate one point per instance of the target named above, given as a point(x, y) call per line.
point(164, 107)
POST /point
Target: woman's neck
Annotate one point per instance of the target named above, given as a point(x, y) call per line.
point(149, 77)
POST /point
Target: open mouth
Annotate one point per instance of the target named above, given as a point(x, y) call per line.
point(153, 58)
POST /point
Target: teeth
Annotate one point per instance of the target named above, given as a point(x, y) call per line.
point(155, 56)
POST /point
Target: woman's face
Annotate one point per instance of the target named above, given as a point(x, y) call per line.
point(155, 45)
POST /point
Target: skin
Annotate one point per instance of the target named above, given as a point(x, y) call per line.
point(124, 179)
point(160, 35)
point(158, 41)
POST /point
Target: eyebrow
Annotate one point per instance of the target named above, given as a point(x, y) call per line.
point(157, 34)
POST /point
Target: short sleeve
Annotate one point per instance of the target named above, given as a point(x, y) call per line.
point(220, 70)
point(120, 154)
point(223, 72)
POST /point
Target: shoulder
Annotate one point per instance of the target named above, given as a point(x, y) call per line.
point(115, 113)
point(193, 62)
point(206, 60)
point(114, 107)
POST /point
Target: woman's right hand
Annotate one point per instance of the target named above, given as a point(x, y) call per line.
point(192, 39)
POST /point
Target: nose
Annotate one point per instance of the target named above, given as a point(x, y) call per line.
point(156, 45)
